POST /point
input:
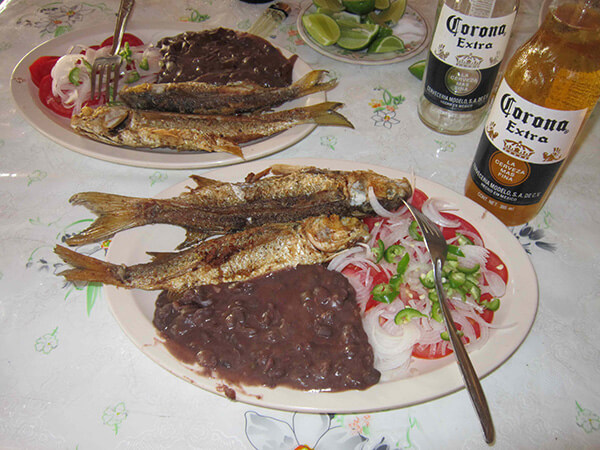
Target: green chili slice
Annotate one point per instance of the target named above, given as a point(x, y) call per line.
point(468, 270)
point(384, 293)
point(406, 315)
point(492, 304)
point(132, 77)
point(378, 251)
point(144, 64)
point(414, 231)
point(463, 240)
point(436, 312)
point(444, 335)
point(403, 265)
point(74, 76)
point(427, 280)
point(392, 252)
point(457, 279)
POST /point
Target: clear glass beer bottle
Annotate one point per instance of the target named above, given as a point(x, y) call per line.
point(467, 48)
point(549, 89)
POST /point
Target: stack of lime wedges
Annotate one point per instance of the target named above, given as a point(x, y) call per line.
point(356, 24)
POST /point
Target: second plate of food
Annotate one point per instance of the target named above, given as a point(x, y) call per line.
point(58, 129)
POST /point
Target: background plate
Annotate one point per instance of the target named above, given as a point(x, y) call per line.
point(58, 129)
point(413, 29)
point(134, 309)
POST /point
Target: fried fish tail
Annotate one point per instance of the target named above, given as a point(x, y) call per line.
point(311, 83)
point(322, 114)
point(86, 268)
point(115, 213)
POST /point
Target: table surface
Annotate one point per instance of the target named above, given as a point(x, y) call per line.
point(70, 378)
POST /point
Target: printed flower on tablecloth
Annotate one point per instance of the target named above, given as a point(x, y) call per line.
point(56, 18)
point(194, 16)
point(587, 420)
point(530, 237)
point(114, 416)
point(383, 118)
point(294, 37)
point(306, 432)
point(47, 342)
point(329, 142)
point(385, 108)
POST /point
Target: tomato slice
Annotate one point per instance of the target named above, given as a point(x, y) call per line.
point(42, 67)
point(132, 39)
point(50, 100)
point(430, 351)
point(418, 199)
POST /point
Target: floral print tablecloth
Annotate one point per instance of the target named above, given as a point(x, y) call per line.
point(69, 377)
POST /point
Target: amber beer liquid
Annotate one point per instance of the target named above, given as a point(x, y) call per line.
point(550, 87)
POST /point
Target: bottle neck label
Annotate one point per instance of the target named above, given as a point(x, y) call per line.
point(529, 132)
point(470, 42)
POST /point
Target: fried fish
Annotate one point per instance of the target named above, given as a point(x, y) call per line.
point(214, 207)
point(234, 257)
point(122, 126)
point(193, 97)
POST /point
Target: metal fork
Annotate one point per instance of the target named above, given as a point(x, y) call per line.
point(438, 248)
point(111, 65)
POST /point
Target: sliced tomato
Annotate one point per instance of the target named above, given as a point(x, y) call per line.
point(50, 100)
point(430, 351)
point(418, 198)
point(132, 39)
point(379, 277)
point(42, 67)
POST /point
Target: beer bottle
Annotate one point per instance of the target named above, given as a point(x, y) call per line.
point(467, 47)
point(549, 89)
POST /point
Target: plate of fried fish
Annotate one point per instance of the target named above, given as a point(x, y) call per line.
point(176, 124)
point(250, 226)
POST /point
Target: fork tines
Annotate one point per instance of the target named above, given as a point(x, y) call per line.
point(106, 72)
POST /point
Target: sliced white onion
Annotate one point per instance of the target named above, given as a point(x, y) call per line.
point(432, 208)
point(380, 210)
point(496, 285)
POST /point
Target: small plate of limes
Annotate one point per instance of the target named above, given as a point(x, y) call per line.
point(368, 32)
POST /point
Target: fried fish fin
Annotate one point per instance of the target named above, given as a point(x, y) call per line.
point(115, 213)
point(86, 268)
point(193, 237)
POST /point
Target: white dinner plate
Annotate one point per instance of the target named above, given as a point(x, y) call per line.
point(134, 309)
point(413, 29)
point(58, 129)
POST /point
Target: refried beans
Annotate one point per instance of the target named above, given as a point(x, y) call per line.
point(221, 56)
point(298, 327)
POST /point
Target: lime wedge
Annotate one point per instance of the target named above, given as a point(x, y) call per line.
point(386, 44)
point(346, 17)
point(358, 36)
point(382, 4)
point(359, 6)
point(329, 5)
point(391, 15)
point(321, 28)
point(418, 68)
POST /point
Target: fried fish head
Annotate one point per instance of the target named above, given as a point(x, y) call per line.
point(331, 234)
point(389, 191)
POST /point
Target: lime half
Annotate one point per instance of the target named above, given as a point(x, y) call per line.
point(359, 6)
point(321, 28)
point(418, 68)
point(386, 44)
point(391, 15)
point(329, 5)
point(382, 4)
point(357, 37)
